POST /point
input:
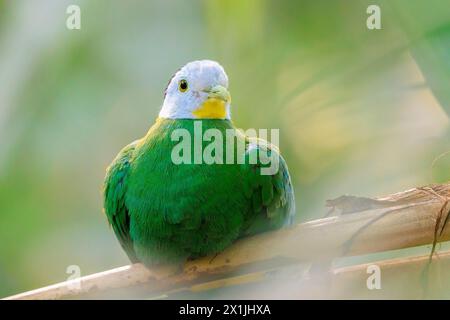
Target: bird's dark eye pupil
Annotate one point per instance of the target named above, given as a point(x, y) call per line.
point(183, 85)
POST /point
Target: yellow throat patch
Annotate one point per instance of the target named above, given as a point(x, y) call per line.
point(212, 108)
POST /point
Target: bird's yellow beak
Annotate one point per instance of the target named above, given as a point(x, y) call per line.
point(219, 92)
point(215, 105)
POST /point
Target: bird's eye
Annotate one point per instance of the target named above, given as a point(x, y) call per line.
point(183, 85)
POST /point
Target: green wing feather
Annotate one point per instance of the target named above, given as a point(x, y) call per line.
point(164, 213)
point(271, 196)
point(115, 188)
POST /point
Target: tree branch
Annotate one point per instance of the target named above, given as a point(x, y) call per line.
point(407, 219)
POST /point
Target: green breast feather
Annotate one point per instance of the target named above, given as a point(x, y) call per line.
point(162, 212)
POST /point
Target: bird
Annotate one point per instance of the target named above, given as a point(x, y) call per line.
point(166, 212)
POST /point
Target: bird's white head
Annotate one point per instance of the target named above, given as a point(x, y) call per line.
point(199, 90)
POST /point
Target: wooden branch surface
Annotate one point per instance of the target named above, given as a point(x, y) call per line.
point(400, 278)
point(407, 219)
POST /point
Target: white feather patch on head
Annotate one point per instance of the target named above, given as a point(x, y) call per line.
point(200, 75)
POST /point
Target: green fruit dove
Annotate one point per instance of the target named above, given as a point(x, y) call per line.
point(165, 207)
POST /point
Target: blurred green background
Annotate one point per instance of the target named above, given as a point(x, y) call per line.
point(360, 111)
